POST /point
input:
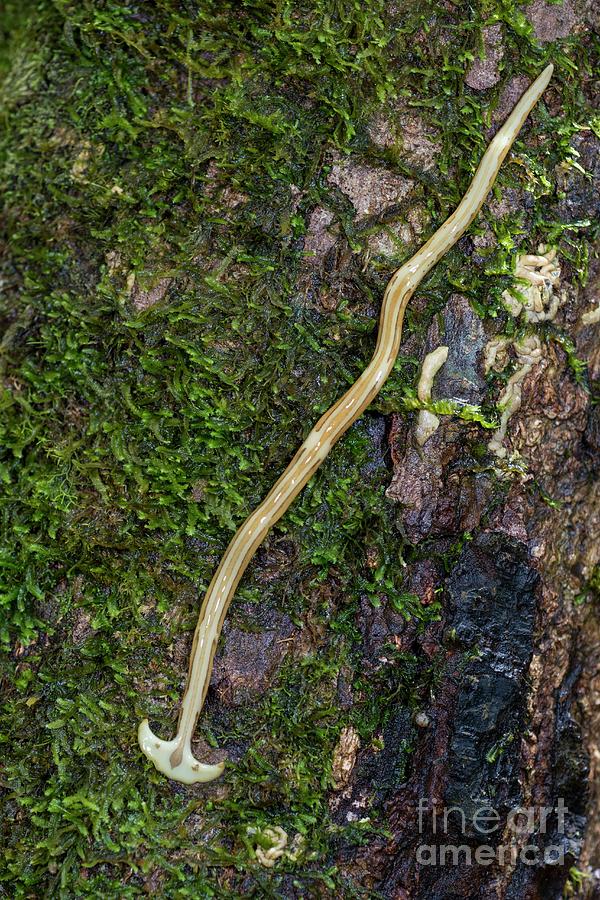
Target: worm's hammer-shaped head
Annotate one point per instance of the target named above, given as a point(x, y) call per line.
point(175, 758)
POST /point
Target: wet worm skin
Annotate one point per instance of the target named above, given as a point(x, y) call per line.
point(332, 425)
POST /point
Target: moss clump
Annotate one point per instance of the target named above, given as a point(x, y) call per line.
point(173, 153)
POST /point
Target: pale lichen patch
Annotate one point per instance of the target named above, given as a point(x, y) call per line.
point(391, 240)
point(318, 240)
point(551, 21)
point(144, 299)
point(485, 73)
point(344, 757)
point(369, 189)
point(402, 129)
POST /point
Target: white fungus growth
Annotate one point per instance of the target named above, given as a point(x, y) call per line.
point(496, 355)
point(528, 349)
point(427, 422)
point(529, 352)
point(537, 300)
point(591, 317)
point(509, 403)
point(278, 838)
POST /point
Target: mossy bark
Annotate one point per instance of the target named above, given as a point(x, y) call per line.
point(202, 204)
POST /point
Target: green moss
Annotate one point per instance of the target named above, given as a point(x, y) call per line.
point(591, 590)
point(133, 443)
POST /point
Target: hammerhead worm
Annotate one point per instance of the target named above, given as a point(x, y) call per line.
point(175, 758)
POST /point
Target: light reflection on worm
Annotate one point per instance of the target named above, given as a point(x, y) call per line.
point(174, 758)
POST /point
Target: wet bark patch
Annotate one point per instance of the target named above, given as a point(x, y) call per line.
point(492, 590)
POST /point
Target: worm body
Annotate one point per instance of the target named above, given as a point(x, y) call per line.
point(174, 758)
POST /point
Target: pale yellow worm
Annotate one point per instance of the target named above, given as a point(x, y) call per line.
point(175, 758)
